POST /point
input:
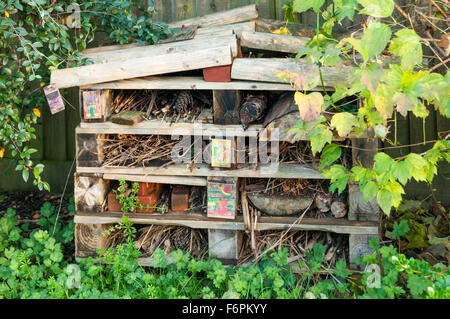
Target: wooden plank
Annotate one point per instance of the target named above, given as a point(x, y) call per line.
point(72, 121)
point(220, 18)
point(283, 171)
point(104, 100)
point(178, 180)
point(224, 244)
point(54, 135)
point(265, 70)
point(97, 73)
point(272, 42)
point(90, 193)
point(177, 219)
point(296, 29)
point(158, 127)
point(187, 83)
point(89, 150)
point(341, 226)
point(136, 52)
point(236, 28)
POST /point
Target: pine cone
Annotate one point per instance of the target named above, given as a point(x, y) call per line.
point(183, 101)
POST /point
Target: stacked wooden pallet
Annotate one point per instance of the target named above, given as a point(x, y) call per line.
point(219, 40)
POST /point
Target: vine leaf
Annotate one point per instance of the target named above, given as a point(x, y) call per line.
point(402, 171)
point(309, 105)
point(338, 176)
point(343, 122)
point(377, 8)
point(407, 46)
point(347, 10)
point(319, 136)
point(303, 5)
point(384, 200)
point(369, 191)
point(329, 155)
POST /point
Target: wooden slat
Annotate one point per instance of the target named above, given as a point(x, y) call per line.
point(98, 73)
point(179, 180)
point(265, 70)
point(220, 18)
point(284, 171)
point(198, 221)
point(187, 83)
point(272, 42)
point(236, 28)
point(158, 127)
point(135, 52)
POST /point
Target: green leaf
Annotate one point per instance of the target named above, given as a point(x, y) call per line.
point(319, 136)
point(304, 5)
point(369, 191)
point(329, 155)
point(418, 285)
point(375, 39)
point(400, 229)
point(402, 171)
point(383, 163)
point(338, 178)
point(377, 8)
point(25, 174)
point(384, 199)
point(419, 166)
point(343, 122)
point(347, 10)
point(407, 46)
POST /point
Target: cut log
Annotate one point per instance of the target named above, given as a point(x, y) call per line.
point(182, 34)
point(136, 52)
point(128, 117)
point(220, 18)
point(236, 29)
point(90, 193)
point(151, 65)
point(296, 29)
point(323, 202)
point(252, 109)
point(280, 205)
point(284, 105)
point(267, 70)
point(89, 238)
point(339, 209)
point(272, 42)
point(226, 106)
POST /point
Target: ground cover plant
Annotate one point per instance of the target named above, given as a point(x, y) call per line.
point(33, 265)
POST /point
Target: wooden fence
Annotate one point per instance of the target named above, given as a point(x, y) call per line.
point(56, 134)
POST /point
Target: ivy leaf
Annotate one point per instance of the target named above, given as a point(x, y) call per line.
point(384, 199)
point(338, 178)
point(375, 39)
point(309, 105)
point(303, 5)
point(343, 122)
point(320, 136)
point(369, 191)
point(330, 154)
point(407, 46)
point(377, 8)
point(402, 171)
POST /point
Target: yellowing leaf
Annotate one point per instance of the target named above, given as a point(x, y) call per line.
point(42, 84)
point(37, 112)
point(6, 14)
point(343, 122)
point(282, 30)
point(309, 105)
point(2, 152)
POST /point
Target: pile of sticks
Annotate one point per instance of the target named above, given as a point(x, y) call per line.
point(297, 243)
point(171, 238)
point(135, 150)
point(164, 105)
point(290, 187)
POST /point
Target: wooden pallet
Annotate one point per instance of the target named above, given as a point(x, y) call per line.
point(91, 178)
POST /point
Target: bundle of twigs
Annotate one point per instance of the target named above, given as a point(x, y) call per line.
point(297, 242)
point(290, 187)
point(170, 238)
point(164, 105)
point(298, 153)
point(135, 150)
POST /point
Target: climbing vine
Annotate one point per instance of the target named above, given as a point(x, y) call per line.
point(38, 36)
point(387, 76)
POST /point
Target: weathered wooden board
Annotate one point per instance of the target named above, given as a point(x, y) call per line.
point(220, 18)
point(102, 105)
point(152, 65)
point(266, 70)
point(296, 29)
point(283, 171)
point(236, 28)
point(272, 42)
point(178, 180)
point(135, 52)
point(341, 226)
point(128, 118)
point(187, 83)
point(224, 244)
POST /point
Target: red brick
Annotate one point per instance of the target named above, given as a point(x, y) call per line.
point(180, 198)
